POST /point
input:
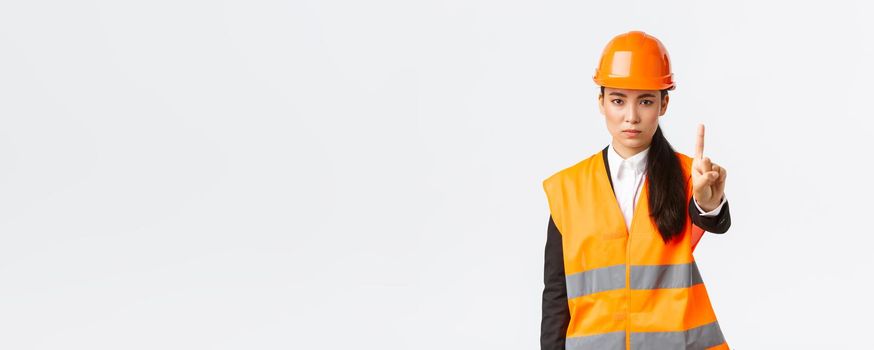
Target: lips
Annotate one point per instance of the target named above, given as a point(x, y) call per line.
point(631, 133)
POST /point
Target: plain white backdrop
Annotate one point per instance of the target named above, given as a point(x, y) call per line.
point(367, 174)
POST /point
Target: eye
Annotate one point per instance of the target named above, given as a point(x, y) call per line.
point(646, 102)
point(617, 101)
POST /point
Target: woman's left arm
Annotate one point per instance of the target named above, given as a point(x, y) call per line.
point(708, 190)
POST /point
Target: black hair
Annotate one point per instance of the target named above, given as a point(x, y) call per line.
point(667, 185)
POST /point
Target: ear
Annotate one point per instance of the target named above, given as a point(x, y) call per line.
point(665, 105)
point(601, 103)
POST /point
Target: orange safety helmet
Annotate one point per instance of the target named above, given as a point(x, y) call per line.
point(635, 60)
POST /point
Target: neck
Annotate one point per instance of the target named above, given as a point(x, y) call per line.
point(625, 151)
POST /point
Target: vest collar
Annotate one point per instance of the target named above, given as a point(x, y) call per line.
point(641, 210)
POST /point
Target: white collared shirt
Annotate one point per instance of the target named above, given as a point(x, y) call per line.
point(628, 175)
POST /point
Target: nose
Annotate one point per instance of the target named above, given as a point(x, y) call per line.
point(631, 115)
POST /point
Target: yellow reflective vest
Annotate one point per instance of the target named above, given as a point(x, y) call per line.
point(626, 288)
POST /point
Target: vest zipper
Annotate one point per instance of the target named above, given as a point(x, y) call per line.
point(628, 289)
point(628, 263)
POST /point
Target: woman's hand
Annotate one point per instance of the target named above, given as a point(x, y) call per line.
point(708, 178)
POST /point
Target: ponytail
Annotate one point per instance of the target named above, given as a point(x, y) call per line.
point(667, 187)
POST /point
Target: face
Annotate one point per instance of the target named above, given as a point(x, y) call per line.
point(632, 117)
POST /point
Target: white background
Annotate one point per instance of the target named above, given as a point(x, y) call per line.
point(367, 174)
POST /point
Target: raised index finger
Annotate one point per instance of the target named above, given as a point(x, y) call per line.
point(699, 145)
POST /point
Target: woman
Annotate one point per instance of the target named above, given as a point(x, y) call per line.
point(619, 275)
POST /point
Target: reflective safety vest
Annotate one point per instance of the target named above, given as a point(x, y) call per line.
point(626, 288)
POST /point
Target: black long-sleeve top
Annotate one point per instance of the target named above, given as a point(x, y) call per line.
point(556, 315)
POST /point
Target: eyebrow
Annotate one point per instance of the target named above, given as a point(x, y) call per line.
point(638, 97)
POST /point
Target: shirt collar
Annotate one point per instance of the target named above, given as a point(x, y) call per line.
point(636, 162)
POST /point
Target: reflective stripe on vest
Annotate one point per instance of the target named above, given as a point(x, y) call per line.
point(642, 277)
point(701, 337)
point(606, 341)
point(627, 289)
